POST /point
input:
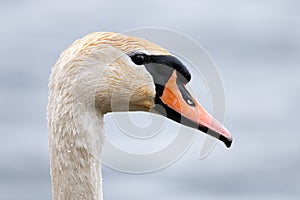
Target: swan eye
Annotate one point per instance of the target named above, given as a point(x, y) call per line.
point(138, 59)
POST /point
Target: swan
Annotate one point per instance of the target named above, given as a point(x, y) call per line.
point(107, 72)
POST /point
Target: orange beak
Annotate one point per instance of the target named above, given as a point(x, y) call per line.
point(170, 77)
point(175, 97)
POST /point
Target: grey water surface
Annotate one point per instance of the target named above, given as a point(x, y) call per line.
point(256, 46)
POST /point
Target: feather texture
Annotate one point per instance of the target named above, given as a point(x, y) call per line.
point(92, 77)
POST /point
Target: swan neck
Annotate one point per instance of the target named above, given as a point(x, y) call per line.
point(75, 143)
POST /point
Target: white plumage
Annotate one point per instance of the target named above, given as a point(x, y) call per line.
point(89, 75)
point(106, 72)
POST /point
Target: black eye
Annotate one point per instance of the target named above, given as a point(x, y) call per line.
point(138, 59)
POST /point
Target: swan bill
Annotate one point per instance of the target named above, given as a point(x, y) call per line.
point(170, 77)
point(180, 106)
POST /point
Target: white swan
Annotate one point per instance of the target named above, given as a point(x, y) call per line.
point(104, 72)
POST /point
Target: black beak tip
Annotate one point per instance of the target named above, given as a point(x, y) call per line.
point(226, 141)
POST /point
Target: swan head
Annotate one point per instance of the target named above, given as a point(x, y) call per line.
point(133, 74)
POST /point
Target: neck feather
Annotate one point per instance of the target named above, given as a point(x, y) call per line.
point(74, 159)
point(75, 142)
point(84, 78)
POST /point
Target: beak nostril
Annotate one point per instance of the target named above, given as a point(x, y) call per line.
point(189, 102)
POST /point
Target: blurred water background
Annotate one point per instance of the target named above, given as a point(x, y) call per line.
point(256, 46)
